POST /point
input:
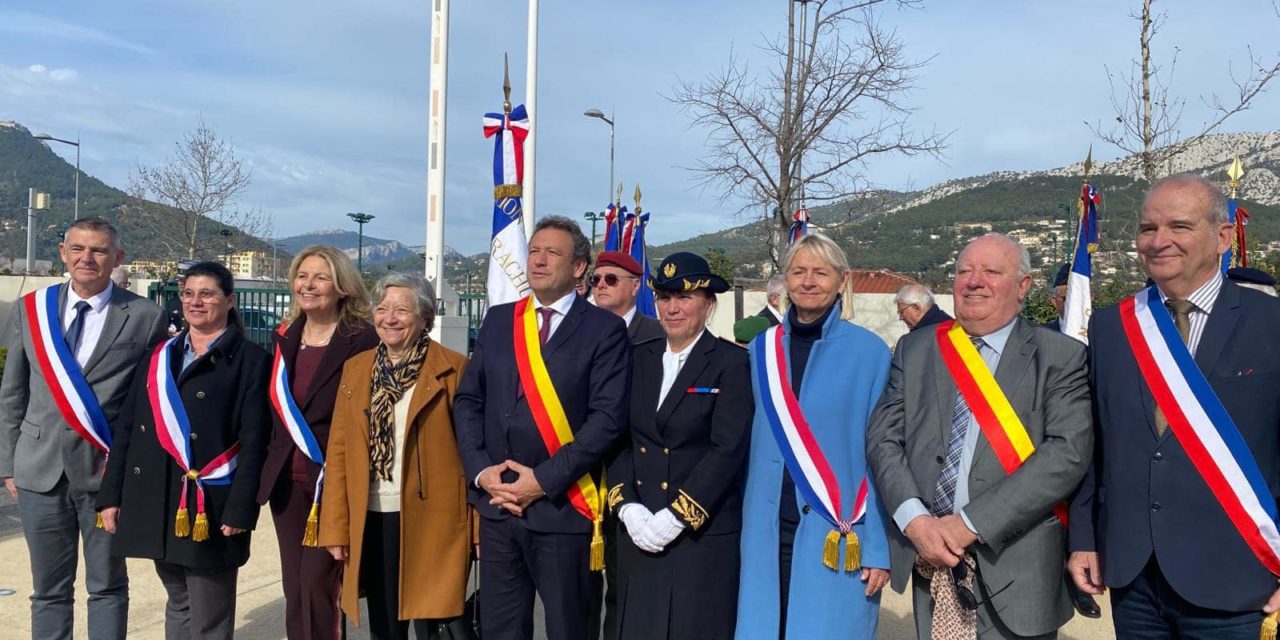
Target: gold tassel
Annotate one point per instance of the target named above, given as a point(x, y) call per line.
point(201, 532)
point(182, 524)
point(1269, 627)
point(852, 552)
point(99, 523)
point(312, 536)
point(831, 550)
point(597, 547)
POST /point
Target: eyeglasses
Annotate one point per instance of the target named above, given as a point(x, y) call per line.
point(205, 295)
point(610, 279)
point(964, 595)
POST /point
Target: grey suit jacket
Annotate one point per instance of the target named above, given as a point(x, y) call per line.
point(1022, 544)
point(643, 329)
point(37, 446)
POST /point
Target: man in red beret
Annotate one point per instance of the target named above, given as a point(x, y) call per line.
point(616, 283)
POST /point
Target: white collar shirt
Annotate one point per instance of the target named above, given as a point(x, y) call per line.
point(94, 319)
point(629, 316)
point(672, 362)
point(1203, 299)
point(561, 308)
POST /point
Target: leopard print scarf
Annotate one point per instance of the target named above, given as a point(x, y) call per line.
point(388, 386)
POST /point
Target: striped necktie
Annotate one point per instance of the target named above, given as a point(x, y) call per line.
point(945, 495)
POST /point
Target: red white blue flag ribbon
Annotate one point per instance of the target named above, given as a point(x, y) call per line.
point(813, 475)
point(173, 431)
point(799, 226)
point(71, 392)
point(1201, 424)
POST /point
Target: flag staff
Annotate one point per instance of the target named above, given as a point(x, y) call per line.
point(531, 106)
point(434, 267)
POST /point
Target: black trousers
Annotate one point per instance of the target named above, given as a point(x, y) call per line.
point(516, 562)
point(310, 576)
point(380, 580)
point(608, 596)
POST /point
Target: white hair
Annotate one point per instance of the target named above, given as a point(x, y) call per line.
point(914, 294)
point(1024, 258)
point(777, 286)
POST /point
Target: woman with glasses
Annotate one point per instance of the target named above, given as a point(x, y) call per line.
point(328, 323)
point(183, 470)
point(677, 486)
point(616, 286)
point(814, 545)
point(394, 508)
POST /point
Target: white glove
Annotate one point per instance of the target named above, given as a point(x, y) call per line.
point(636, 519)
point(663, 527)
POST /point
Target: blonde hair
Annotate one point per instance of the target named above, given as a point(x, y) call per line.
point(353, 300)
point(826, 250)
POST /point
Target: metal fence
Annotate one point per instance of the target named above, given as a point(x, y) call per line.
point(261, 309)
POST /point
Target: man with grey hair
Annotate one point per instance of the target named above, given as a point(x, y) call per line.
point(542, 403)
point(974, 520)
point(1153, 520)
point(775, 300)
point(917, 308)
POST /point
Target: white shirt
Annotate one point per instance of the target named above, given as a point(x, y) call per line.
point(561, 308)
point(626, 317)
point(94, 319)
point(1203, 298)
point(384, 496)
point(672, 362)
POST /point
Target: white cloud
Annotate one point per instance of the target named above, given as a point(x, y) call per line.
point(63, 75)
point(37, 68)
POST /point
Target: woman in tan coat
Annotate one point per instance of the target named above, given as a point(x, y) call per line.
point(394, 505)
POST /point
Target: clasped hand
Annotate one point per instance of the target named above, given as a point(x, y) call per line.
point(513, 496)
point(650, 532)
point(940, 541)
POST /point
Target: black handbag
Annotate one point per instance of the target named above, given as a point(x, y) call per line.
point(466, 626)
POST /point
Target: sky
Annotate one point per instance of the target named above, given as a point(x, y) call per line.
point(326, 100)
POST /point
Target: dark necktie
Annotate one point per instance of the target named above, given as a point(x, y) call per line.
point(945, 494)
point(76, 328)
point(1181, 310)
point(545, 330)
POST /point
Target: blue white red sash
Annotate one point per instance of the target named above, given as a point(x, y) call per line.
point(291, 417)
point(71, 393)
point(173, 431)
point(809, 468)
point(1201, 424)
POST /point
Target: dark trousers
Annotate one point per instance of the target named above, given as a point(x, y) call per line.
point(786, 541)
point(608, 596)
point(380, 580)
point(202, 604)
point(1149, 609)
point(312, 579)
point(54, 523)
point(515, 562)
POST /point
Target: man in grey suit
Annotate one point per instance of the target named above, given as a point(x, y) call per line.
point(958, 512)
point(49, 468)
point(615, 285)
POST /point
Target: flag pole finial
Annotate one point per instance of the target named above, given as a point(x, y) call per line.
point(618, 200)
point(506, 85)
point(1234, 174)
point(637, 198)
point(1088, 164)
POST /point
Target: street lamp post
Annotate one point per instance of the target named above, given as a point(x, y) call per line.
point(46, 137)
point(226, 234)
point(594, 218)
point(596, 113)
point(361, 219)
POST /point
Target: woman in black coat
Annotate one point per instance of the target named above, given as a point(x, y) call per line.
point(200, 540)
point(678, 490)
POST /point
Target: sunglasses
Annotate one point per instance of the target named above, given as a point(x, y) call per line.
point(610, 279)
point(964, 595)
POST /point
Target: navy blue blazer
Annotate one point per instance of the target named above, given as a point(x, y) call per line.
point(589, 359)
point(1143, 496)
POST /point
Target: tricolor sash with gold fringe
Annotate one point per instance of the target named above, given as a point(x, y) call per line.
point(553, 424)
point(304, 438)
point(173, 431)
point(1203, 427)
point(813, 475)
point(1000, 424)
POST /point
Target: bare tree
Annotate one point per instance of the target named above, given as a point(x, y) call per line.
point(196, 190)
point(1148, 118)
point(807, 130)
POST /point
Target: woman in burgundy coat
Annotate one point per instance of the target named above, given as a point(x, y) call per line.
point(328, 323)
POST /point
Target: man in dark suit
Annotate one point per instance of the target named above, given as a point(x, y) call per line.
point(52, 471)
point(531, 535)
point(1145, 522)
point(615, 286)
point(917, 308)
point(936, 466)
point(775, 301)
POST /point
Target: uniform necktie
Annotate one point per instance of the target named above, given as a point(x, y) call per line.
point(945, 495)
point(77, 328)
point(545, 330)
point(1181, 310)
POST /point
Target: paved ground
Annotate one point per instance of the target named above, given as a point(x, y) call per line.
point(260, 608)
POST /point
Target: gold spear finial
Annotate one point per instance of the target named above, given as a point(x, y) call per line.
point(618, 201)
point(506, 86)
point(1235, 172)
point(1088, 164)
point(637, 198)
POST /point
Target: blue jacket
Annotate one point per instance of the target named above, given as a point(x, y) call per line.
point(1143, 496)
point(844, 377)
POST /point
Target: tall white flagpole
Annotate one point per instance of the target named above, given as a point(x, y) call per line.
point(531, 105)
point(436, 143)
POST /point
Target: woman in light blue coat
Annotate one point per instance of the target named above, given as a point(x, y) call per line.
point(836, 371)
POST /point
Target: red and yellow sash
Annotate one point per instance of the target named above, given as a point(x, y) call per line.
point(550, 417)
point(1000, 424)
